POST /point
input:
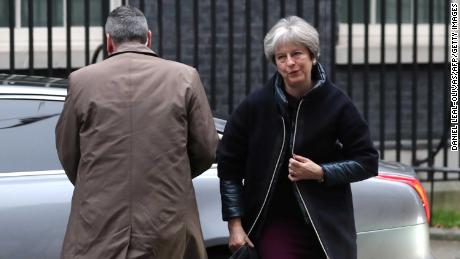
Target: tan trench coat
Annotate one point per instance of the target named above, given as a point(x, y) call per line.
point(134, 131)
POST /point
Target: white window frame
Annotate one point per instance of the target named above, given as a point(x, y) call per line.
point(40, 34)
point(391, 29)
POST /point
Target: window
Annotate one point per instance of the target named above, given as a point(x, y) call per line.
point(40, 13)
point(407, 11)
point(4, 5)
point(391, 7)
point(391, 31)
point(58, 31)
point(27, 135)
point(357, 9)
point(58, 13)
point(78, 10)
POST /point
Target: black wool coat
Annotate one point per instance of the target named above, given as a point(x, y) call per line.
point(327, 129)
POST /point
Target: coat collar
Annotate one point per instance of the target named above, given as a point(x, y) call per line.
point(133, 47)
point(318, 77)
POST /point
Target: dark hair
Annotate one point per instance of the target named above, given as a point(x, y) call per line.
point(127, 23)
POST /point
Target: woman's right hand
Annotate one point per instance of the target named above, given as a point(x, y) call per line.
point(238, 236)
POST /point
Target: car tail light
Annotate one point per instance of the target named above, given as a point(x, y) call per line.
point(414, 183)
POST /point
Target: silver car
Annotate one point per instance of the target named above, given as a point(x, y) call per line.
point(391, 210)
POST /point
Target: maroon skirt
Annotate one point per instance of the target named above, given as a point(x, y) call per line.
point(289, 238)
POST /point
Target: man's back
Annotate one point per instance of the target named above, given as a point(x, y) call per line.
point(144, 128)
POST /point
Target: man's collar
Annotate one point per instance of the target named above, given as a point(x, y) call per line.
point(133, 47)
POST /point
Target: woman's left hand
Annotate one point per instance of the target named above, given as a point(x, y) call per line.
point(302, 168)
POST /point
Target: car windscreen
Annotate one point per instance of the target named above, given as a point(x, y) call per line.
point(27, 140)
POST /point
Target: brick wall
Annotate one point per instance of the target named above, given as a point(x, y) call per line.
point(222, 40)
point(221, 105)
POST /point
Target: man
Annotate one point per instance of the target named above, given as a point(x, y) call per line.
point(134, 131)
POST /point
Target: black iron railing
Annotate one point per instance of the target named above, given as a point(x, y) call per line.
point(406, 102)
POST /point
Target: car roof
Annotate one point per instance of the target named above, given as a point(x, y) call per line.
point(20, 85)
point(32, 90)
point(39, 81)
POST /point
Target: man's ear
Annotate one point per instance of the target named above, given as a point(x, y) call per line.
point(110, 45)
point(149, 39)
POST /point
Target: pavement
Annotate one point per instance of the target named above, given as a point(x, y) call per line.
point(452, 234)
point(442, 249)
point(445, 243)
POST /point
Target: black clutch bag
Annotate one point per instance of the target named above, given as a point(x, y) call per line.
point(245, 252)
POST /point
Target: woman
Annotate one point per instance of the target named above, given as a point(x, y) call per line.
point(289, 153)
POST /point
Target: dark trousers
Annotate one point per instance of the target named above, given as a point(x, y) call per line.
point(284, 238)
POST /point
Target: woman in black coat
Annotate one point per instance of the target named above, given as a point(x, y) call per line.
point(289, 153)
